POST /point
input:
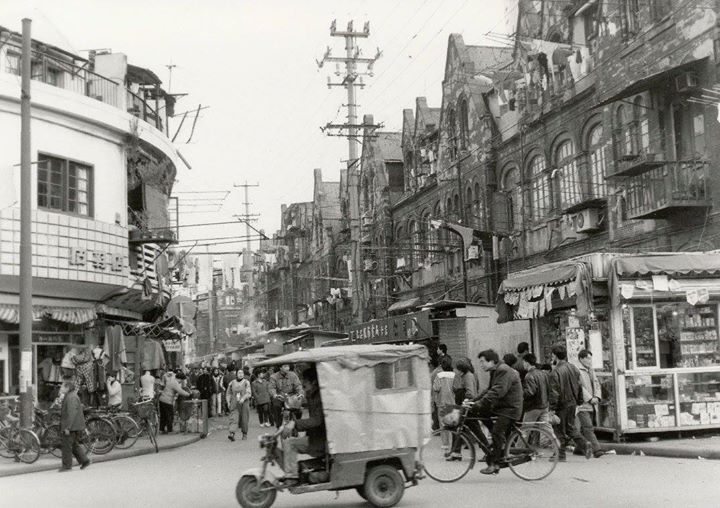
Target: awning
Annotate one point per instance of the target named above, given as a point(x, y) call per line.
point(412, 303)
point(73, 315)
point(668, 264)
point(168, 329)
point(530, 294)
point(297, 338)
point(640, 85)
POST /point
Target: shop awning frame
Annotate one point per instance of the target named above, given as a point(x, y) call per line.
point(412, 303)
point(671, 263)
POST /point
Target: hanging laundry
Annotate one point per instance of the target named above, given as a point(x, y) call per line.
point(114, 347)
point(84, 372)
point(153, 357)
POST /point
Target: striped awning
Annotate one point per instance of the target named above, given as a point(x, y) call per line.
point(74, 315)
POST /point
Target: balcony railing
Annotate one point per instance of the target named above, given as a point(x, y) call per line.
point(80, 80)
point(667, 189)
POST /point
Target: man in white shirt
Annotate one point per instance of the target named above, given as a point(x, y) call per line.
point(114, 390)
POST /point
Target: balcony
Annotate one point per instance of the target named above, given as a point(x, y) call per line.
point(64, 73)
point(637, 163)
point(677, 186)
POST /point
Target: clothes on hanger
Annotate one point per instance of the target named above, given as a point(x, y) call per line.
point(114, 347)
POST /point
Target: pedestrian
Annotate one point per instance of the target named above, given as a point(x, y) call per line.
point(114, 392)
point(535, 391)
point(564, 397)
point(261, 393)
point(442, 352)
point(238, 396)
point(444, 395)
point(283, 385)
point(436, 369)
point(217, 393)
point(72, 426)
point(510, 360)
point(465, 383)
point(227, 379)
point(171, 389)
point(205, 387)
point(590, 399)
point(522, 349)
point(147, 386)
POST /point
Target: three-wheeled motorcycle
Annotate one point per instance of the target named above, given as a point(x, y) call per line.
point(376, 404)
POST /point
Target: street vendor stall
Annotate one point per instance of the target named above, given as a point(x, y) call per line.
point(651, 322)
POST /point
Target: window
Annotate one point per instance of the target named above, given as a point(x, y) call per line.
point(539, 188)
point(511, 186)
point(469, 215)
point(569, 177)
point(464, 123)
point(394, 376)
point(396, 176)
point(64, 185)
point(590, 21)
point(477, 204)
point(12, 63)
point(630, 12)
point(689, 131)
point(452, 133)
point(596, 162)
point(639, 129)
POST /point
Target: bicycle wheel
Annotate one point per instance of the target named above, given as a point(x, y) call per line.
point(529, 453)
point(5, 450)
point(52, 440)
point(127, 431)
point(448, 456)
point(26, 445)
point(152, 433)
point(101, 435)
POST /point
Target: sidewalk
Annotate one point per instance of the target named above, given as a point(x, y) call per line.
point(704, 447)
point(48, 462)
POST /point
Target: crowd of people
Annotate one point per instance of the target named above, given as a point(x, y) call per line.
point(229, 391)
point(562, 395)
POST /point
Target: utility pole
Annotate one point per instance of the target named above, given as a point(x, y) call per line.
point(247, 216)
point(25, 376)
point(351, 79)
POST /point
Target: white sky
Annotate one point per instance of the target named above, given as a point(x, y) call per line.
point(253, 63)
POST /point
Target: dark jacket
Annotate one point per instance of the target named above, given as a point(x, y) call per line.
point(565, 389)
point(535, 390)
point(205, 385)
point(314, 425)
point(505, 394)
point(261, 391)
point(71, 413)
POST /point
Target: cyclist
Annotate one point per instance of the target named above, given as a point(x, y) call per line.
point(503, 399)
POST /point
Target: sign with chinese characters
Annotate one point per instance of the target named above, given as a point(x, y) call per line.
point(98, 260)
point(408, 327)
point(172, 346)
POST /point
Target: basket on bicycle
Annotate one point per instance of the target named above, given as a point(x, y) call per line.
point(143, 409)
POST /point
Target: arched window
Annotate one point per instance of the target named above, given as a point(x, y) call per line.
point(436, 239)
point(477, 205)
point(424, 248)
point(640, 128)
point(569, 177)
point(464, 123)
point(415, 244)
point(539, 188)
point(448, 208)
point(596, 161)
point(511, 185)
point(469, 201)
point(452, 133)
point(621, 133)
point(456, 206)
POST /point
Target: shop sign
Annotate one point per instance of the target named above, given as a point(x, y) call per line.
point(57, 339)
point(172, 346)
point(414, 326)
point(96, 259)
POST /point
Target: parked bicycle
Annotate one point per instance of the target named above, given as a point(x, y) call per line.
point(530, 451)
point(16, 443)
point(146, 417)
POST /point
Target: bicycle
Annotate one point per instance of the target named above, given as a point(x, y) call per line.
point(145, 413)
point(125, 427)
point(17, 443)
point(99, 432)
point(530, 450)
point(47, 428)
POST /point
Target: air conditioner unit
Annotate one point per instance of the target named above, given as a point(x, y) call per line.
point(687, 82)
point(587, 221)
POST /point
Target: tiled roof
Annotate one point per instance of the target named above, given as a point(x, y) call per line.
point(390, 145)
point(488, 58)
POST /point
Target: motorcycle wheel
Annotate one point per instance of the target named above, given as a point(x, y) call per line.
point(249, 494)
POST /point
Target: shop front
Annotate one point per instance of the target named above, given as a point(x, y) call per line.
point(651, 322)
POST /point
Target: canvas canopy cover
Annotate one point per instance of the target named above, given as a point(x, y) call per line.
point(375, 397)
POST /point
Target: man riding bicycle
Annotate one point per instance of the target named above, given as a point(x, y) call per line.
point(503, 400)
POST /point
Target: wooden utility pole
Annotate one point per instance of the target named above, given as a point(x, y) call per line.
point(350, 81)
point(247, 216)
point(25, 375)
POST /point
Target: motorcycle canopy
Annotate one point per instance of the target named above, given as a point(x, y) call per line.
point(375, 397)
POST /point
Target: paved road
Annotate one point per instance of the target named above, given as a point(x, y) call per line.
point(205, 474)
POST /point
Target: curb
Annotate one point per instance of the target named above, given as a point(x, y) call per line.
point(662, 451)
point(96, 459)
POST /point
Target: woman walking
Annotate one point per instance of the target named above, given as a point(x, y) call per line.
point(238, 397)
point(218, 389)
point(261, 393)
